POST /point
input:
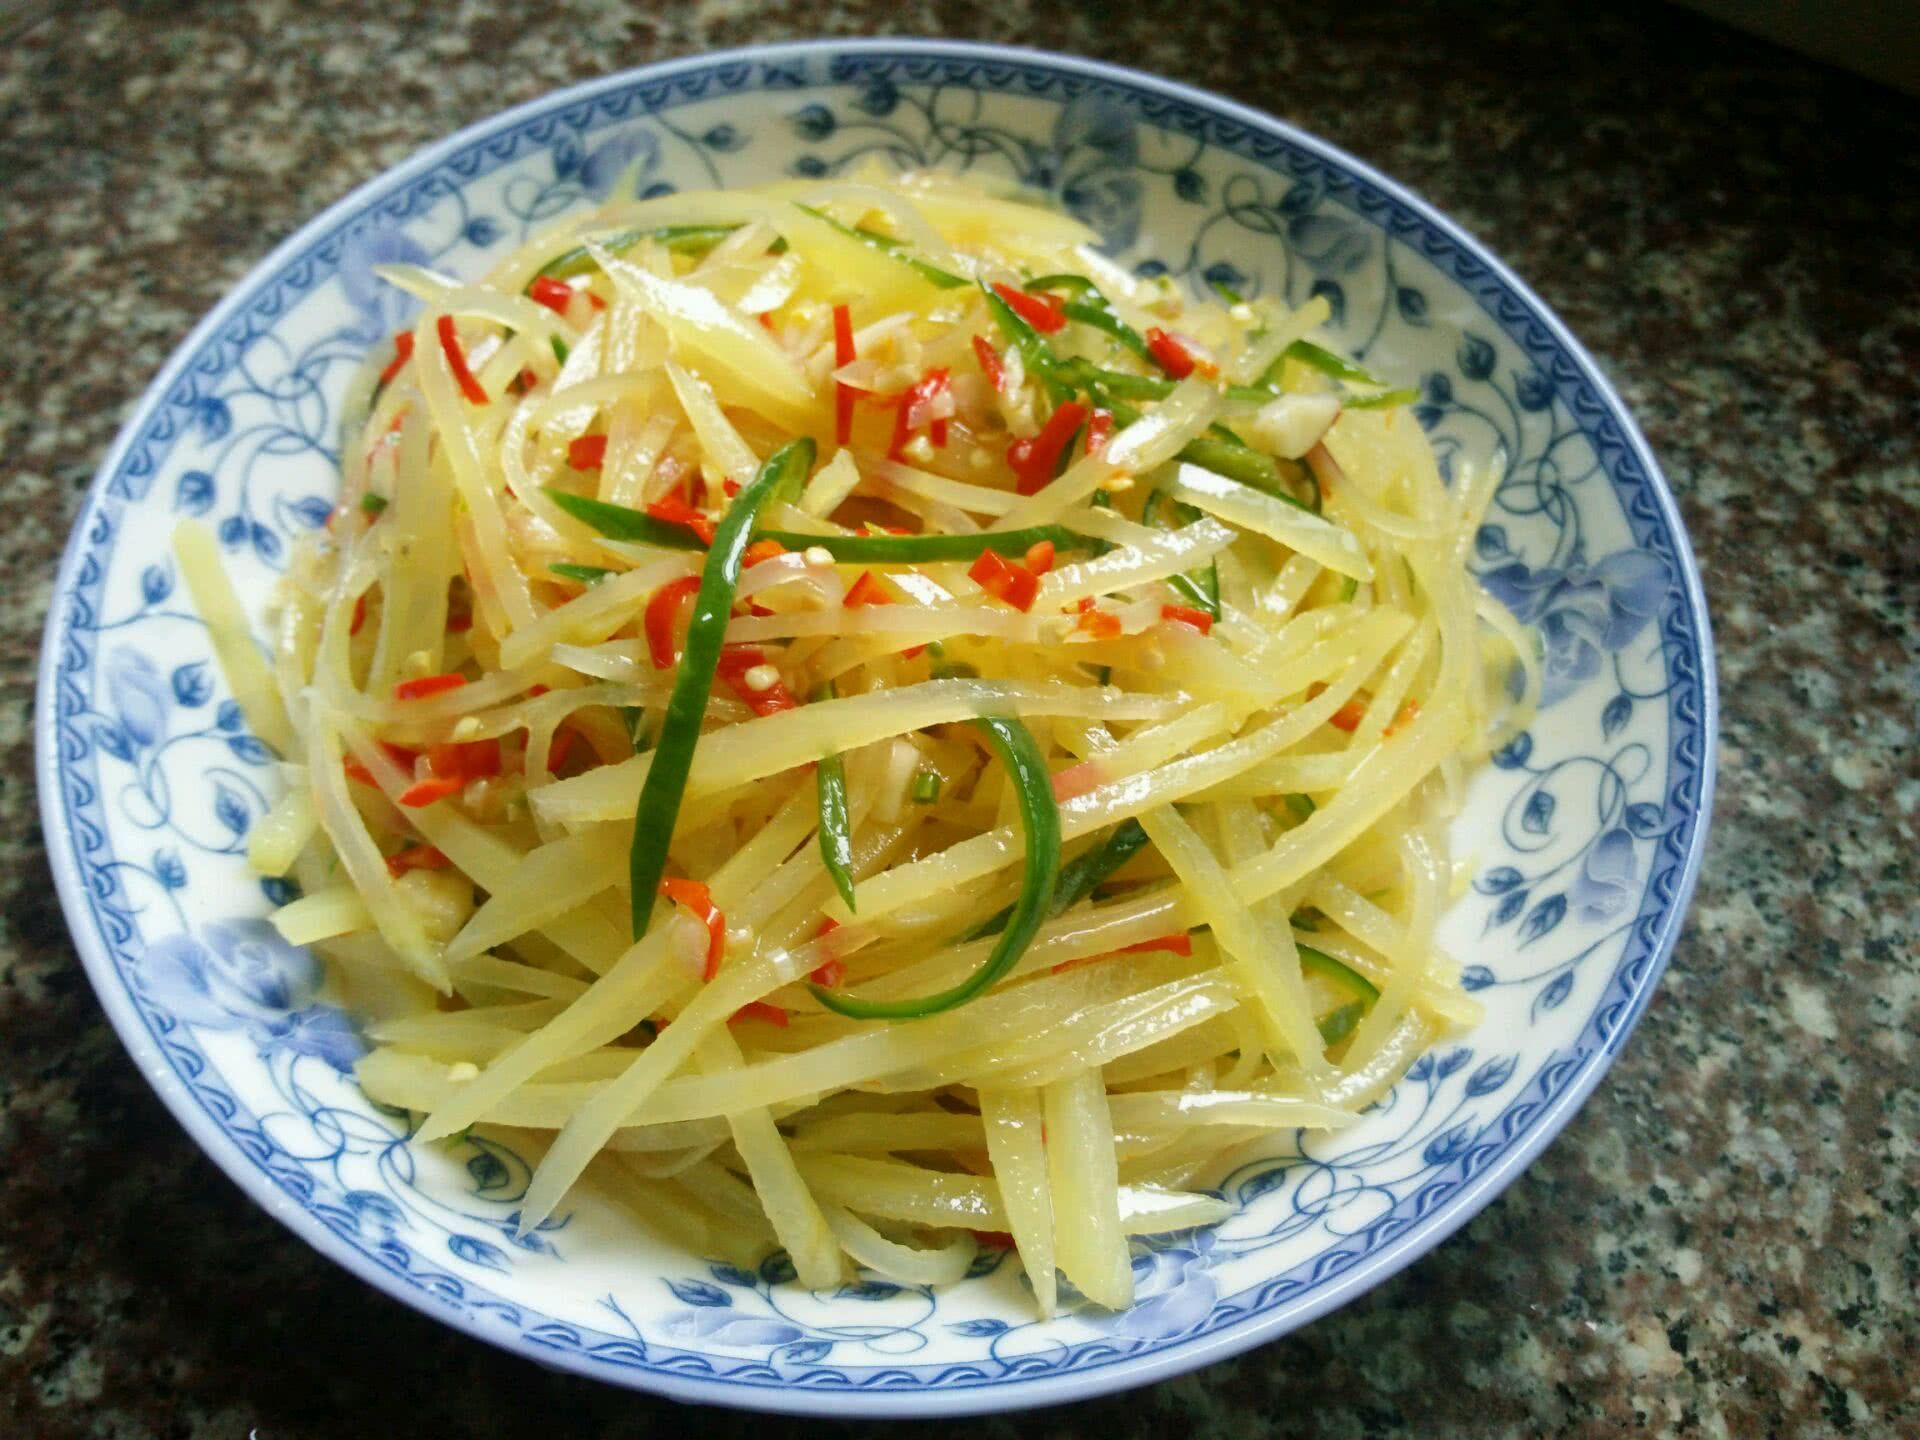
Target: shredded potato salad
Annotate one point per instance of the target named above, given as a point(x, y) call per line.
point(847, 721)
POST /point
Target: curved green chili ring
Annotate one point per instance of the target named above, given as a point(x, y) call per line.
point(1338, 1023)
point(666, 783)
point(1079, 876)
point(585, 574)
point(919, 549)
point(617, 522)
point(836, 826)
point(1320, 358)
point(681, 239)
point(931, 273)
point(1026, 762)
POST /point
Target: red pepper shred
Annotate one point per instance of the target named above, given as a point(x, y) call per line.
point(1005, 580)
point(1042, 312)
point(843, 354)
point(1034, 461)
point(425, 685)
point(457, 362)
point(697, 898)
point(662, 618)
point(556, 295)
point(991, 365)
point(1188, 615)
point(402, 352)
point(589, 452)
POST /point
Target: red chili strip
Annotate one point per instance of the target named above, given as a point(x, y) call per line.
point(761, 550)
point(1170, 354)
point(457, 362)
point(914, 403)
point(1188, 615)
point(402, 352)
point(843, 354)
point(699, 901)
point(469, 759)
point(760, 1010)
point(1099, 431)
point(1034, 461)
point(991, 365)
point(359, 614)
point(416, 857)
point(662, 619)
point(867, 590)
point(556, 295)
point(675, 511)
point(829, 974)
point(434, 787)
point(1042, 312)
point(1040, 556)
point(735, 662)
point(1180, 944)
point(589, 452)
point(425, 685)
point(1005, 580)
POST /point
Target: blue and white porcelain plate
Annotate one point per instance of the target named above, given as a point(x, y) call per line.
point(1587, 829)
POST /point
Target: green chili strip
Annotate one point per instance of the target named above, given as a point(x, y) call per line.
point(1326, 362)
point(1093, 308)
point(560, 351)
point(1085, 375)
point(1080, 876)
point(1337, 1024)
point(585, 574)
point(1348, 589)
point(617, 522)
point(666, 782)
point(836, 826)
point(1026, 762)
point(681, 239)
point(1200, 588)
point(887, 244)
point(1301, 805)
point(1226, 292)
point(372, 504)
point(919, 549)
point(1381, 401)
point(926, 789)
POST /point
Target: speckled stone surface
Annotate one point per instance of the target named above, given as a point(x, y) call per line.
point(1722, 1243)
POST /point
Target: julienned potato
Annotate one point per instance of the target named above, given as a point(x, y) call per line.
point(840, 716)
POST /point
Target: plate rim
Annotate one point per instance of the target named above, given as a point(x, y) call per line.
point(1472, 1195)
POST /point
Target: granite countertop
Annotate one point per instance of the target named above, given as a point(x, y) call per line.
point(1722, 1243)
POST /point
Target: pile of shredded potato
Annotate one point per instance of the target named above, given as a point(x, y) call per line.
point(809, 525)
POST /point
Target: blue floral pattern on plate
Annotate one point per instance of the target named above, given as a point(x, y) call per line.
point(1587, 828)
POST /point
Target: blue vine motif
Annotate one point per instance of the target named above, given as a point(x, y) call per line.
point(1589, 816)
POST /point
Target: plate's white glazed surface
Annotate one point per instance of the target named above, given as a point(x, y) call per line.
point(1587, 829)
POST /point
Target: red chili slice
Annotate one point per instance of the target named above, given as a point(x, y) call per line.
point(867, 590)
point(425, 685)
point(1005, 580)
point(1181, 944)
point(735, 662)
point(457, 362)
point(416, 857)
point(434, 787)
point(1034, 461)
point(589, 452)
point(991, 365)
point(662, 619)
point(914, 402)
point(1188, 615)
point(402, 352)
point(699, 900)
point(760, 1010)
point(843, 354)
point(1042, 312)
point(675, 511)
point(1172, 356)
point(554, 294)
